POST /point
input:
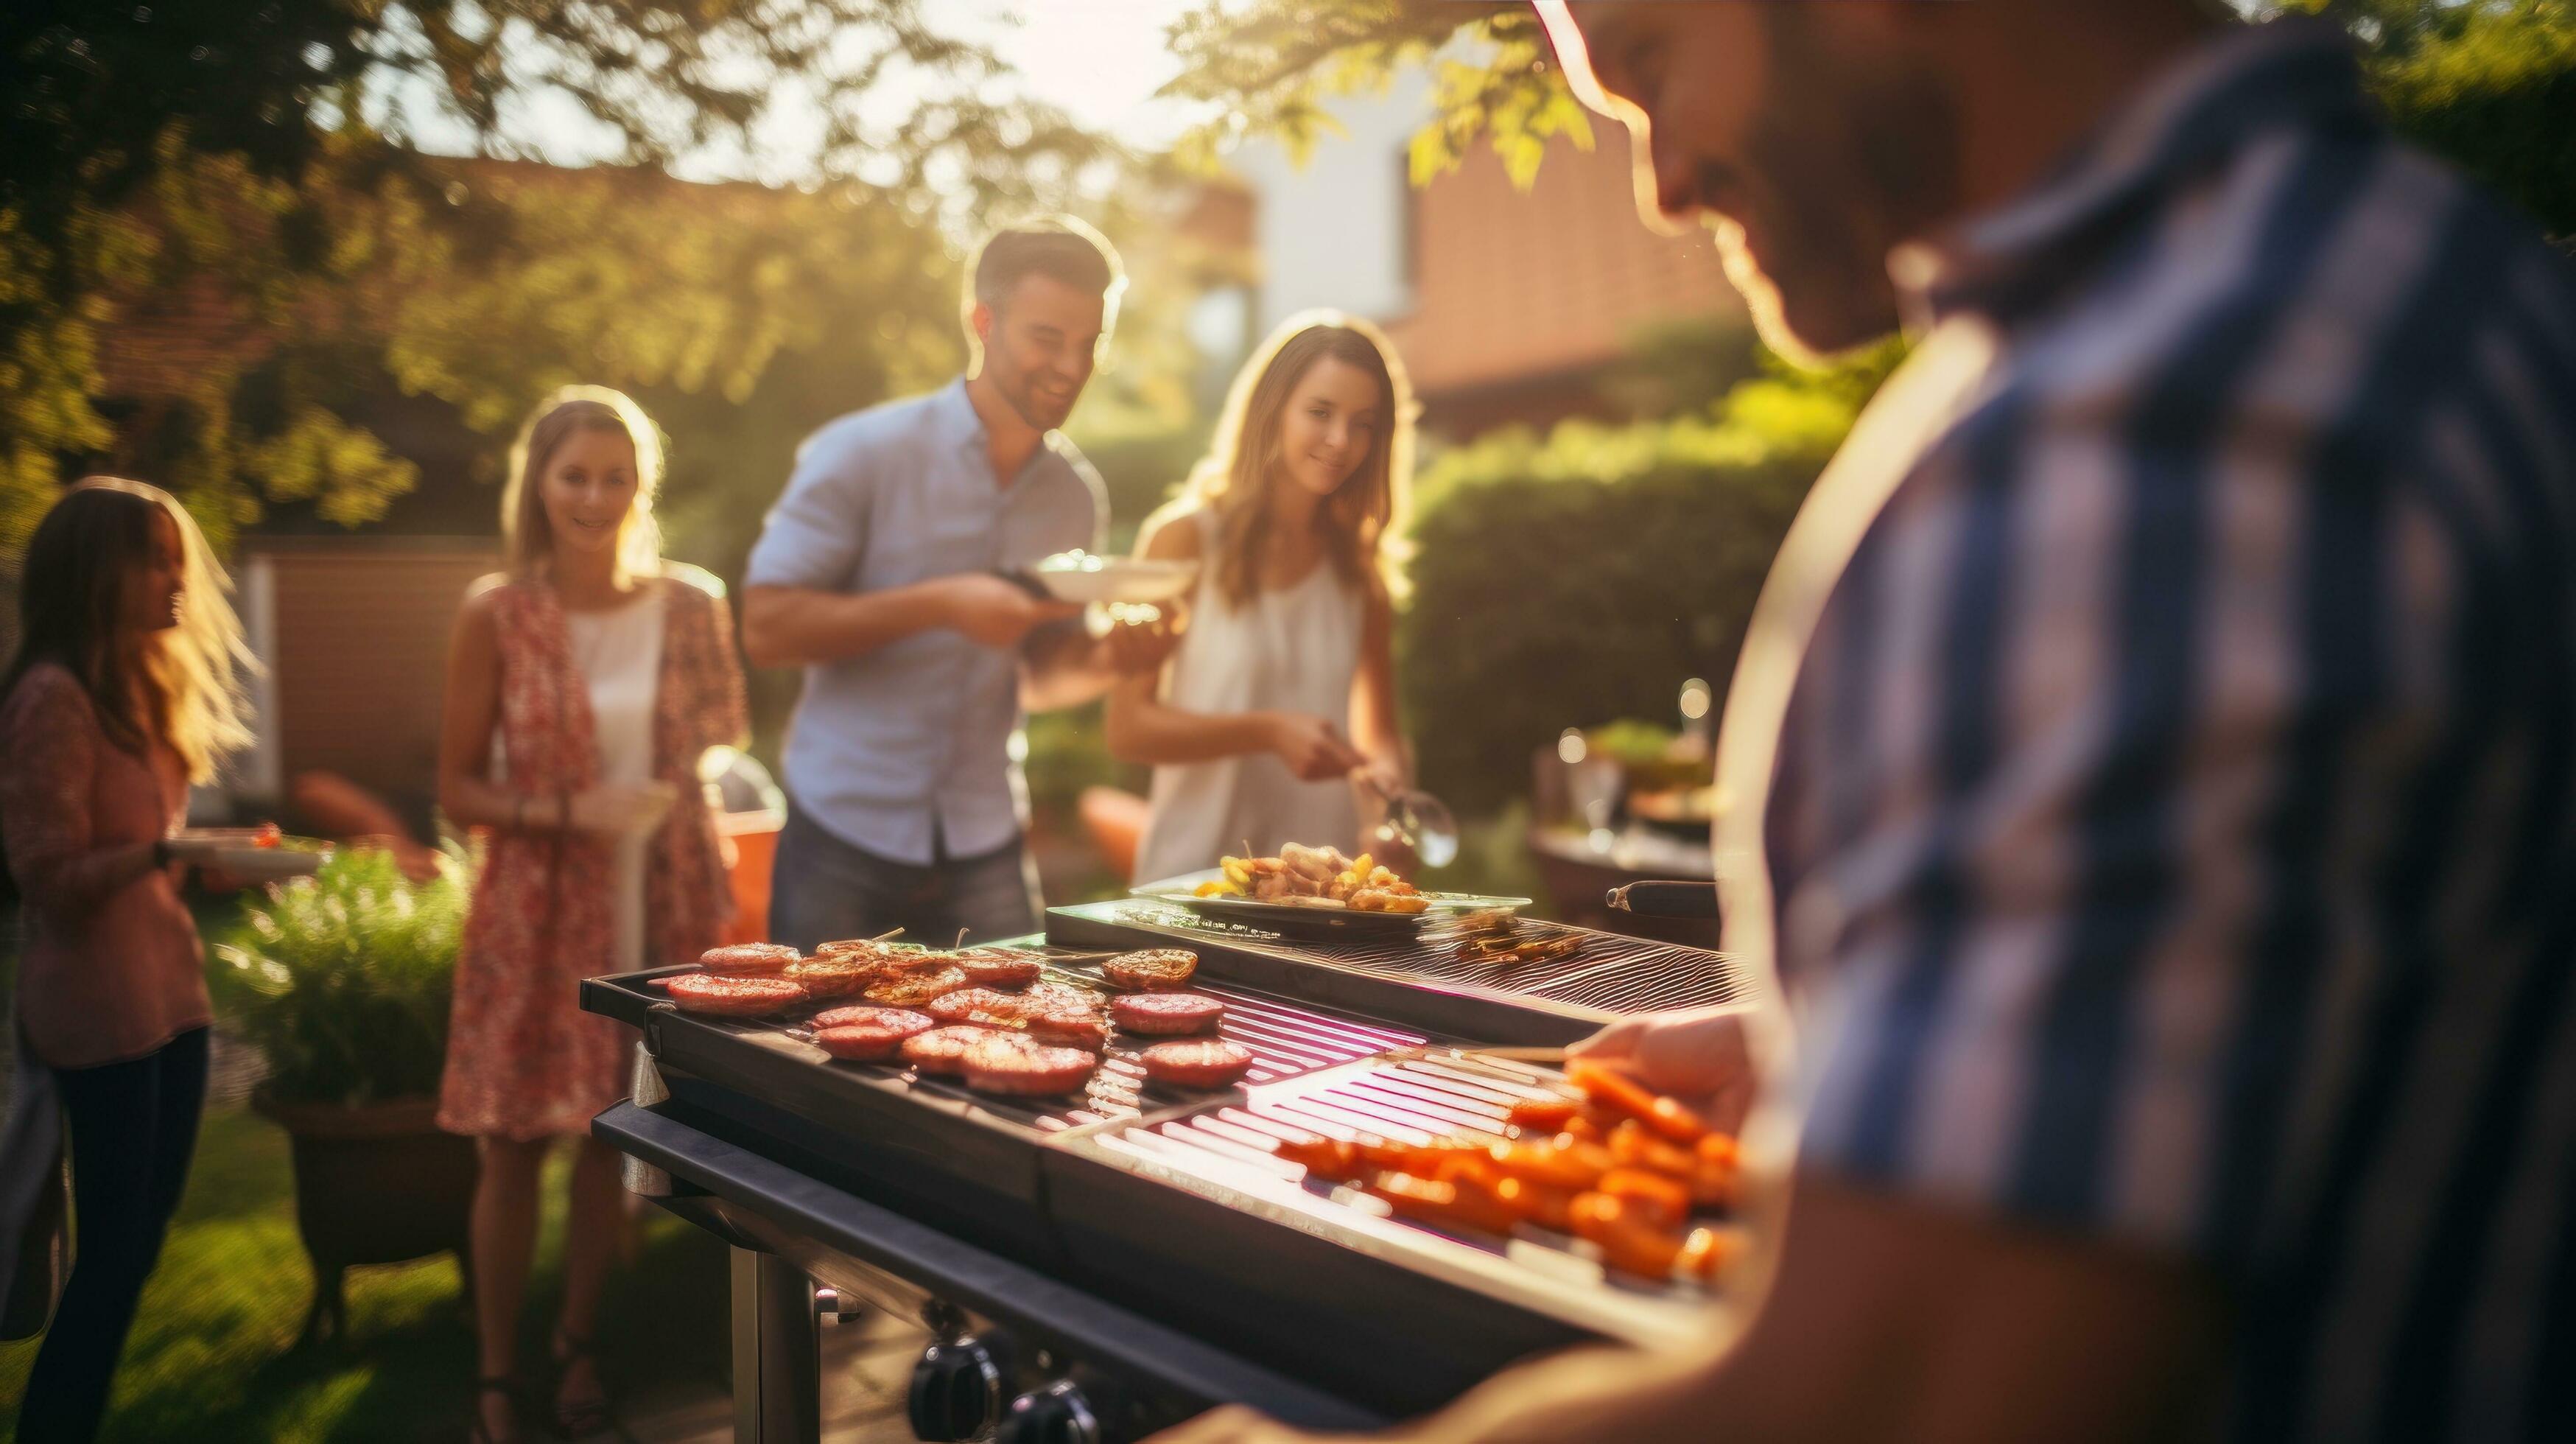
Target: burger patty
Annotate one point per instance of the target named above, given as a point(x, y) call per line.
point(834, 975)
point(997, 968)
point(734, 995)
point(1153, 970)
point(876, 1040)
point(748, 958)
point(1198, 1063)
point(858, 1013)
point(943, 1050)
point(1069, 1030)
point(1062, 998)
point(1002, 1063)
point(982, 1006)
point(1166, 1013)
point(912, 989)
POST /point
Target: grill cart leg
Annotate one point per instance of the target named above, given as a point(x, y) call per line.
point(777, 1357)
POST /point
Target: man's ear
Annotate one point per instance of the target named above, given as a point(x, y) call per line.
point(980, 321)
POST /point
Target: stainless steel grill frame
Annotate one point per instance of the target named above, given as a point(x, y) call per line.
point(1420, 980)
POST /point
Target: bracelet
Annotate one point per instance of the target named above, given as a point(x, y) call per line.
point(519, 812)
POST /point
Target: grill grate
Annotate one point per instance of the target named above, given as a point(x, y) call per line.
point(1610, 972)
point(1286, 1041)
point(1418, 1101)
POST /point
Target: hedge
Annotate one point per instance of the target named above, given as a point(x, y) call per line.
point(1571, 580)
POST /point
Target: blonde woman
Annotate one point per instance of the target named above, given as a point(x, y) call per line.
point(583, 686)
point(122, 693)
point(1284, 683)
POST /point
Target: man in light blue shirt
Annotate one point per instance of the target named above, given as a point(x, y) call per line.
point(876, 572)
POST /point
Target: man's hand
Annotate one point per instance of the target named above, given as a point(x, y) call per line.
point(996, 613)
point(1235, 1424)
point(1697, 1056)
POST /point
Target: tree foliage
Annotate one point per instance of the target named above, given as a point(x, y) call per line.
point(272, 161)
point(2491, 84)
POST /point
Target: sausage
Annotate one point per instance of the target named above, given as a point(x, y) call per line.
point(1545, 1115)
point(1614, 1089)
point(1327, 1158)
point(1656, 1198)
point(1627, 1241)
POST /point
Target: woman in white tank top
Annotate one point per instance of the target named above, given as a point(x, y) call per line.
point(1284, 683)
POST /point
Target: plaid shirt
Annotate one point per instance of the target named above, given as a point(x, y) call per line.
point(2173, 827)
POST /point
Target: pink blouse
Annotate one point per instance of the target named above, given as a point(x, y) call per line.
point(112, 968)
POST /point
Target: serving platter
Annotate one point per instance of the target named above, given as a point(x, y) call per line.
point(1318, 920)
point(1082, 577)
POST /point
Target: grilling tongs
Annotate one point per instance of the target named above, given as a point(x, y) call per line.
point(1665, 899)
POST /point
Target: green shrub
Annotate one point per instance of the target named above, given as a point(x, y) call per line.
point(343, 981)
point(1579, 578)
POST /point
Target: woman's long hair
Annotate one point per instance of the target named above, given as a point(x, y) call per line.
point(72, 596)
point(527, 537)
point(1361, 521)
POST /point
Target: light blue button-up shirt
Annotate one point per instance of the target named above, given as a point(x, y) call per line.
point(915, 744)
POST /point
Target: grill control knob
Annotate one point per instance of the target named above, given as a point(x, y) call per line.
point(1056, 1414)
point(956, 1391)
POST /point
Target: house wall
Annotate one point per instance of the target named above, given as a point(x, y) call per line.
point(1504, 303)
point(354, 635)
point(1332, 231)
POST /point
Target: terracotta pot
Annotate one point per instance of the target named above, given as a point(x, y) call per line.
point(377, 1183)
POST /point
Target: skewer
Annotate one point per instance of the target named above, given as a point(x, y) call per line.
point(1499, 1055)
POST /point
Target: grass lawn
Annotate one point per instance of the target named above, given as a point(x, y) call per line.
point(212, 1354)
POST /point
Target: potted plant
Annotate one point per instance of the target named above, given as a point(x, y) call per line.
point(343, 982)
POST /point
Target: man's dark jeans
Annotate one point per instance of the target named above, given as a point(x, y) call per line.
point(822, 889)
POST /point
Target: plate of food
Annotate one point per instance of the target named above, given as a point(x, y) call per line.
point(1079, 576)
point(252, 854)
point(1316, 892)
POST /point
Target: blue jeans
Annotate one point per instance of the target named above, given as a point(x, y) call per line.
point(823, 889)
point(133, 1131)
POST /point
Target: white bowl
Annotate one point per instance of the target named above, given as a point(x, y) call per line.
point(1081, 577)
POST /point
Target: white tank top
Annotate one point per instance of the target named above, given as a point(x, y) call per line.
point(1296, 649)
point(620, 656)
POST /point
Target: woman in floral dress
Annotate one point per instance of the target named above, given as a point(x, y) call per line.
point(584, 685)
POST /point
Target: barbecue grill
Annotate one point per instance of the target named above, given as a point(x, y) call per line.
point(1122, 1260)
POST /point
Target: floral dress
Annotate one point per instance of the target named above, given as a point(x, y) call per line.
point(523, 1060)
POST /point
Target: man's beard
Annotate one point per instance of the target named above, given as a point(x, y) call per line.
point(1882, 134)
point(1022, 398)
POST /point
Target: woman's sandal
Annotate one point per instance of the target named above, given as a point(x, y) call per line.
point(581, 1418)
point(505, 1385)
